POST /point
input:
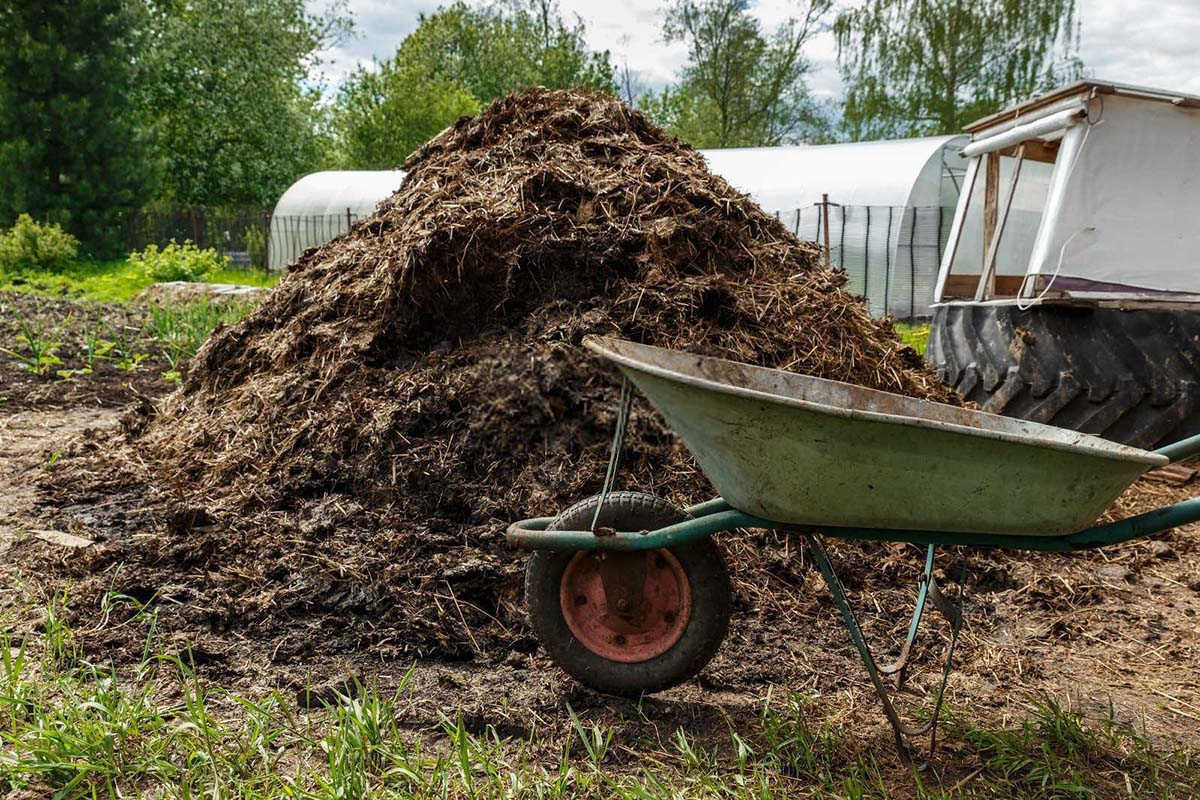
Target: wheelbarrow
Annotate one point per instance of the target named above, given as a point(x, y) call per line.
point(629, 594)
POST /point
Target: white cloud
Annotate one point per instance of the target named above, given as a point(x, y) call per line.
point(1145, 43)
point(1149, 44)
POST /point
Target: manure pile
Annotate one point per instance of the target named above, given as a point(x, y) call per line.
point(337, 469)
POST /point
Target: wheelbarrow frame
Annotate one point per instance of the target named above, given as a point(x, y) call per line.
point(717, 516)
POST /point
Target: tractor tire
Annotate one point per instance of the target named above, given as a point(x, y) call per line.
point(1129, 376)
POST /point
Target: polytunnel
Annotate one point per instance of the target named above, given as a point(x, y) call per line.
point(890, 208)
point(891, 204)
point(323, 205)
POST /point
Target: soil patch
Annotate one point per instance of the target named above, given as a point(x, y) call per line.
point(126, 368)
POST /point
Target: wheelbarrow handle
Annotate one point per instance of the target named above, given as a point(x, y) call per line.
point(1184, 448)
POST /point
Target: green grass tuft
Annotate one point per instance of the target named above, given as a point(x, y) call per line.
point(915, 336)
point(113, 281)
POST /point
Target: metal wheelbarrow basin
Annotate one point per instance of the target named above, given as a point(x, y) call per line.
point(800, 450)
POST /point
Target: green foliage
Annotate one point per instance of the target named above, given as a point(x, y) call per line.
point(178, 262)
point(179, 330)
point(224, 87)
point(38, 346)
point(256, 247)
point(741, 86)
point(915, 336)
point(71, 145)
point(457, 60)
point(28, 245)
point(115, 280)
point(384, 114)
point(924, 67)
point(1052, 755)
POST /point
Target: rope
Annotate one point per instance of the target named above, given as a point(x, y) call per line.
point(614, 457)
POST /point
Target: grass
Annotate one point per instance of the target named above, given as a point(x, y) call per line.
point(181, 329)
point(172, 332)
point(113, 281)
point(915, 336)
point(72, 729)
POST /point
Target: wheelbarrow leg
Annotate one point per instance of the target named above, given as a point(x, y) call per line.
point(928, 589)
point(856, 635)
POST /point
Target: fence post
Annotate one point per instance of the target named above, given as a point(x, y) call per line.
point(912, 266)
point(887, 265)
point(349, 222)
point(824, 204)
point(266, 240)
point(842, 243)
point(867, 260)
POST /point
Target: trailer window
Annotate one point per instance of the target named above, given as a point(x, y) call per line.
point(998, 211)
point(1022, 222)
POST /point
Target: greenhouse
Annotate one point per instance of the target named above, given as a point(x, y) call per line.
point(323, 205)
point(889, 213)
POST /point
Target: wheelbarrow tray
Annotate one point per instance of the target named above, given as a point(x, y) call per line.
point(800, 450)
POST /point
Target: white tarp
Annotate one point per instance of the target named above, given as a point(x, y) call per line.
point(1130, 211)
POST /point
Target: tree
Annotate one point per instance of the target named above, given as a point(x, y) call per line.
point(70, 151)
point(924, 67)
point(740, 87)
point(385, 113)
point(458, 59)
point(225, 86)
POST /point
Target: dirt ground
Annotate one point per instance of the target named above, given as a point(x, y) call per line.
point(1114, 629)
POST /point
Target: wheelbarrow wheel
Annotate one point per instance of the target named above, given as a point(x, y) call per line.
point(627, 623)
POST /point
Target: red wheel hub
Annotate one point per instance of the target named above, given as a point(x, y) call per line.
point(626, 607)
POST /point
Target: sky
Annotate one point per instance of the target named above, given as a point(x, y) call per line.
point(1128, 41)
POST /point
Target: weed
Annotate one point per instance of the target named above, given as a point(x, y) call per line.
point(41, 347)
point(95, 349)
point(181, 330)
point(126, 353)
point(178, 262)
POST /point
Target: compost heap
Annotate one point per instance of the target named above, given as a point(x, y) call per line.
point(352, 451)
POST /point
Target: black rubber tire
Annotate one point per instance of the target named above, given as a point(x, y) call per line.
point(1127, 375)
point(707, 577)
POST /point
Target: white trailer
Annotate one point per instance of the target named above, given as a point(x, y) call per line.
point(1068, 291)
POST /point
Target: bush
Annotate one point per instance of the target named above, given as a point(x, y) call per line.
point(256, 247)
point(178, 262)
point(30, 245)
